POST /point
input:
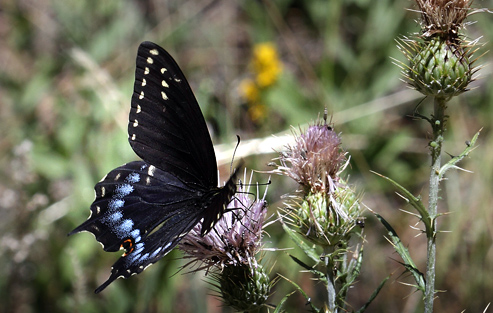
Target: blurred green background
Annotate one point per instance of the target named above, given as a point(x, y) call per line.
point(66, 78)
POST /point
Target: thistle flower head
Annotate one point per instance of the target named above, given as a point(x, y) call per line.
point(315, 159)
point(228, 252)
point(327, 209)
point(235, 239)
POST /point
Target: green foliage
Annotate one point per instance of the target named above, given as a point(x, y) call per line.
point(399, 247)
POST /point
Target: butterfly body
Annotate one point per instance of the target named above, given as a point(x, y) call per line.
point(146, 207)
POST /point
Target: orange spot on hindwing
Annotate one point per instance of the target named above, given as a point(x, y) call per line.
point(128, 245)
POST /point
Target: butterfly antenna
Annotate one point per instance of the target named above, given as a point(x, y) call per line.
point(241, 184)
point(234, 153)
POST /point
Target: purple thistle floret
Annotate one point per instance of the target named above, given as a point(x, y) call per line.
point(315, 159)
point(234, 240)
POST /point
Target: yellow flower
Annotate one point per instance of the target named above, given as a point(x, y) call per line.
point(249, 90)
point(266, 64)
point(266, 67)
point(257, 112)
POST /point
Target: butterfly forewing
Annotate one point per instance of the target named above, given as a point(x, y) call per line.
point(166, 127)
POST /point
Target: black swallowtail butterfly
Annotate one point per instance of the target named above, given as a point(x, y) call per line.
point(146, 207)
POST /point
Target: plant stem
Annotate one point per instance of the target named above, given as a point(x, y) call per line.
point(438, 125)
point(331, 290)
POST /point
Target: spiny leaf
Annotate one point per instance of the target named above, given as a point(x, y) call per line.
point(314, 309)
point(309, 251)
point(373, 295)
point(404, 253)
point(416, 203)
point(281, 303)
point(321, 276)
point(452, 163)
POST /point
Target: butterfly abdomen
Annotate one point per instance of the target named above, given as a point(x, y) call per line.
point(216, 201)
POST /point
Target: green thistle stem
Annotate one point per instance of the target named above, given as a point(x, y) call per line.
point(331, 289)
point(438, 125)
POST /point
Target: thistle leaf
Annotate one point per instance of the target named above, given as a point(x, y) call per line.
point(353, 271)
point(453, 162)
point(404, 254)
point(309, 251)
point(415, 202)
point(281, 303)
point(373, 295)
point(308, 299)
point(321, 276)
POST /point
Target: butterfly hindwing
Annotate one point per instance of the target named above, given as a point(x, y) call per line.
point(143, 210)
point(166, 127)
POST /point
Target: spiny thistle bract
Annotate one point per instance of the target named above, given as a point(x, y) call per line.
point(326, 219)
point(440, 60)
point(242, 287)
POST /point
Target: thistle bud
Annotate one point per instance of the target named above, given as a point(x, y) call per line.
point(440, 61)
point(440, 69)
